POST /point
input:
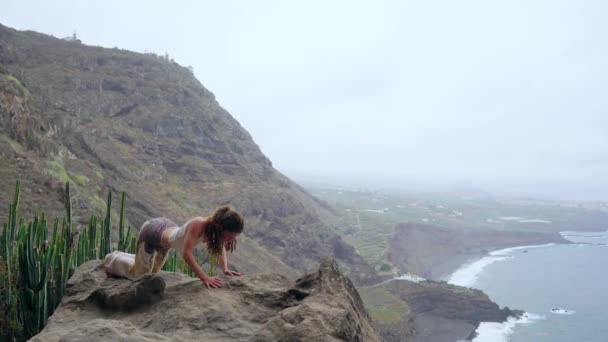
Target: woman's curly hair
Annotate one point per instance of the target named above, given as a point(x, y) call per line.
point(224, 219)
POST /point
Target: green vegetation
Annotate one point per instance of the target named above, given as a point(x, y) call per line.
point(367, 218)
point(56, 169)
point(17, 147)
point(81, 180)
point(382, 305)
point(35, 265)
point(38, 266)
point(14, 85)
point(467, 291)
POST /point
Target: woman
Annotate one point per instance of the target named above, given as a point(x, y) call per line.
point(158, 236)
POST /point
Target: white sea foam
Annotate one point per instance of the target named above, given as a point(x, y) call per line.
point(468, 274)
point(588, 238)
point(583, 234)
point(534, 221)
point(560, 311)
point(500, 332)
point(510, 250)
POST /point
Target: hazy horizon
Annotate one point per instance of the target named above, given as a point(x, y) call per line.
point(504, 97)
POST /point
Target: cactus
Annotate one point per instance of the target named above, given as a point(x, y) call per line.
point(124, 239)
point(171, 264)
point(213, 261)
point(82, 254)
point(105, 246)
point(35, 269)
point(132, 242)
point(34, 260)
point(9, 297)
point(93, 250)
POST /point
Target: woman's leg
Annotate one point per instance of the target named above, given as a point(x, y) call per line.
point(143, 259)
point(150, 255)
point(118, 264)
point(143, 254)
point(160, 258)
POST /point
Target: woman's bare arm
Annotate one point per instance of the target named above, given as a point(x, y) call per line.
point(193, 232)
point(224, 260)
point(224, 264)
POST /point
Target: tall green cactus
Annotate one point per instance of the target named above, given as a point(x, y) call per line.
point(9, 296)
point(34, 260)
point(82, 251)
point(106, 241)
point(67, 245)
point(171, 264)
point(93, 239)
point(213, 262)
point(124, 239)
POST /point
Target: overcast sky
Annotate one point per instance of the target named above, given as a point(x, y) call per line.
point(502, 95)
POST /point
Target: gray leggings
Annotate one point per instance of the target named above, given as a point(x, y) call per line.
point(151, 233)
point(150, 255)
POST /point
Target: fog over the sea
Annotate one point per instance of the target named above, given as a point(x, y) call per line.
point(507, 96)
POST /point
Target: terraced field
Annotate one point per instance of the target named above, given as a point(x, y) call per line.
point(368, 217)
point(382, 305)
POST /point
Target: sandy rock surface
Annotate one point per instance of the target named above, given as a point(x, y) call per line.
point(320, 306)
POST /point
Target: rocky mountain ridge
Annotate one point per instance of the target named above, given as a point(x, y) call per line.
point(114, 119)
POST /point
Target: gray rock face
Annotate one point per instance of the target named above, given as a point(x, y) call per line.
point(320, 306)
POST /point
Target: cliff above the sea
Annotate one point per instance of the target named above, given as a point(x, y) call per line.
point(430, 311)
point(319, 306)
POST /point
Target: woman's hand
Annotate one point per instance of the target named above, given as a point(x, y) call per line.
point(232, 273)
point(213, 282)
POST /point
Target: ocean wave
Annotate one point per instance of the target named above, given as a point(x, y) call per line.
point(500, 332)
point(583, 234)
point(590, 238)
point(507, 251)
point(468, 274)
point(561, 311)
point(535, 221)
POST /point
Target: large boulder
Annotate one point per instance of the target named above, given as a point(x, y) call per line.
point(320, 306)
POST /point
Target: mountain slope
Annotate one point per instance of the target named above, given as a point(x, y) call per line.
point(109, 118)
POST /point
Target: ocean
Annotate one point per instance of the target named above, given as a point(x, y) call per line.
point(563, 288)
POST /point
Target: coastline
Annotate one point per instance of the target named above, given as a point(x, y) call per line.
point(463, 271)
point(435, 253)
point(466, 275)
point(444, 270)
point(438, 253)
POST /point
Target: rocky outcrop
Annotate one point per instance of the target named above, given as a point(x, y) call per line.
point(391, 317)
point(320, 306)
point(445, 312)
point(114, 119)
